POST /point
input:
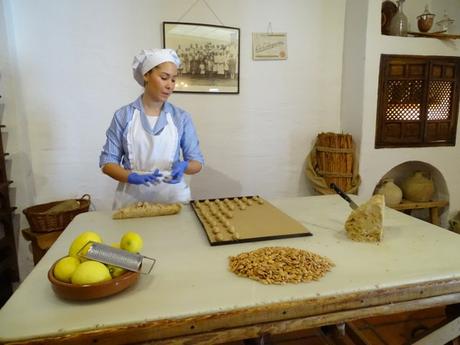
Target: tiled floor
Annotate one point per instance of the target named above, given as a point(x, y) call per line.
point(396, 329)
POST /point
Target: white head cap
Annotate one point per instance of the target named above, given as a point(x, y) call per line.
point(149, 58)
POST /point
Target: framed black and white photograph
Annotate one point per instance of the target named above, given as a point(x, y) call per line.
point(209, 56)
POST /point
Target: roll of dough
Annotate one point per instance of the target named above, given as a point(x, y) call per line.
point(146, 209)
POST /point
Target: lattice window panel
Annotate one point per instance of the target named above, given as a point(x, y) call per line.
point(440, 100)
point(403, 101)
point(418, 101)
point(404, 112)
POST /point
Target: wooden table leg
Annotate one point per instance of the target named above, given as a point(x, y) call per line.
point(434, 215)
point(453, 311)
point(40, 241)
point(446, 332)
point(355, 334)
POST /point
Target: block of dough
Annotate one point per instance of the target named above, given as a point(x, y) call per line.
point(365, 224)
point(146, 209)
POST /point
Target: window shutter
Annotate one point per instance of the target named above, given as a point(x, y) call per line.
point(418, 101)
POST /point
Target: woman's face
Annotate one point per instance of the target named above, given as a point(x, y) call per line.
point(161, 81)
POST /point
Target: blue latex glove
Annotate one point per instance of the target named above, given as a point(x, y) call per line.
point(177, 172)
point(145, 179)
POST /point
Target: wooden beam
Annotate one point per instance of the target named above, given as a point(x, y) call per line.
point(225, 327)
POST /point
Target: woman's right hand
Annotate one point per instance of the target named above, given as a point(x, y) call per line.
point(145, 179)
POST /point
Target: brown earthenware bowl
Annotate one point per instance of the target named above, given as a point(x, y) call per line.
point(91, 291)
point(424, 23)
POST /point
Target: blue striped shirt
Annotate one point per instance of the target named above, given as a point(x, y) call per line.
point(115, 149)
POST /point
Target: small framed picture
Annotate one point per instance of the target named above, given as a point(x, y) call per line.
point(269, 46)
point(209, 56)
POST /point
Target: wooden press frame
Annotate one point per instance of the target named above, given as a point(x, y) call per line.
point(272, 318)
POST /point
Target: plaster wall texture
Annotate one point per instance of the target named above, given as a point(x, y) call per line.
point(66, 67)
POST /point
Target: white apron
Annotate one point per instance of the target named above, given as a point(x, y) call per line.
point(146, 153)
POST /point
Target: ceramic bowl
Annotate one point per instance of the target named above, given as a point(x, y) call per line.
point(424, 23)
point(91, 291)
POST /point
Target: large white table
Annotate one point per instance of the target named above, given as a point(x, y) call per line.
point(192, 296)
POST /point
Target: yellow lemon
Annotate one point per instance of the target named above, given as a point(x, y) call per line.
point(132, 242)
point(115, 271)
point(80, 241)
point(116, 245)
point(90, 272)
point(65, 268)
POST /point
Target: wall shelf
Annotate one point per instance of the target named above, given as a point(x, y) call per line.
point(438, 35)
point(433, 206)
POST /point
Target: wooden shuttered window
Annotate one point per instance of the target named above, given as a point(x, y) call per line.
point(417, 101)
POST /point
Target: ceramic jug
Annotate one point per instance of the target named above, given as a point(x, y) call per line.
point(392, 193)
point(418, 187)
point(398, 24)
point(455, 223)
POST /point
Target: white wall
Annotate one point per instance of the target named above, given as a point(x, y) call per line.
point(375, 163)
point(15, 136)
point(65, 68)
point(70, 67)
point(412, 9)
point(354, 55)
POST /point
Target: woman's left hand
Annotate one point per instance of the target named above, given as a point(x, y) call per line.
point(145, 179)
point(178, 170)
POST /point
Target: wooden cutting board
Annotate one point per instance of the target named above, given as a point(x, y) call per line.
point(244, 219)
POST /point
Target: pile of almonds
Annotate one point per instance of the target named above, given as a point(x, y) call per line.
point(280, 265)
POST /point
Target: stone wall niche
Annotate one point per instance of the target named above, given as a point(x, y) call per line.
point(404, 170)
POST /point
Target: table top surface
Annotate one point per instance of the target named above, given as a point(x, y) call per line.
point(192, 278)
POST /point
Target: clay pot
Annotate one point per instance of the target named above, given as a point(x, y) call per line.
point(424, 23)
point(425, 20)
point(392, 193)
point(454, 223)
point(418, 187)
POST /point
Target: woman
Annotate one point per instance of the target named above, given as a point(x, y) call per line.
point(146, 138)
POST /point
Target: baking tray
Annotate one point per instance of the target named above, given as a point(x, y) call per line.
point(244, 219)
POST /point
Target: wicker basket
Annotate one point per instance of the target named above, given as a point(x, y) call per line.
point(40, 221)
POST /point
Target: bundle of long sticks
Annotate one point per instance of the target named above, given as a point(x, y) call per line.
point(335, 159)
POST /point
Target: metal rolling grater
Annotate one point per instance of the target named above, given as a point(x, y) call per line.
point(116, 257)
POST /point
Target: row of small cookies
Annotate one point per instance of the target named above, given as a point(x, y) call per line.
point(241, 203)
point(217, 213)
point(215, 222)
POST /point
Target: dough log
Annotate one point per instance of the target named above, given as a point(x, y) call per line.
point(146, 209)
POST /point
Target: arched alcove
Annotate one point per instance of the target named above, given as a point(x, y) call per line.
point(406, 169)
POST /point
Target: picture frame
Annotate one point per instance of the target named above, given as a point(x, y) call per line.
point(269, 46)
point(209, 54)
